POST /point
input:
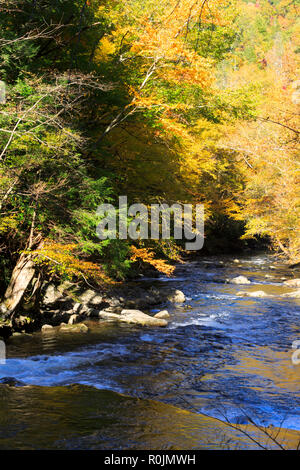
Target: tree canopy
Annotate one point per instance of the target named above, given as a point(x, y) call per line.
point(164, 101)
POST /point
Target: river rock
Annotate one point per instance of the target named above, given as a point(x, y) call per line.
point(135, 303)
point(294, 295)
point(141, 302)
point(55, 298)
point(105, 315)
point(141, 299)
point(47, 328)
point(52, 295)
point(151, 299)
point(91, 297)
point(75, 318)
point(139, 318)
point(257, 293)
point(114, 309)
point(176, 297)
point(76, 307)
point(65, 286)
point(239, 280)
point(136, 317)
point(163, 314)
point(12, 382)
point(78, 328)
point(84, 310)
point(3, 309)
point(292, 283)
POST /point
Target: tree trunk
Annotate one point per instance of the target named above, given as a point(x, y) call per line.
point(20, 279)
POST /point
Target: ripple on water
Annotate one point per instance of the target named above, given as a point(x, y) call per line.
point(220, 351)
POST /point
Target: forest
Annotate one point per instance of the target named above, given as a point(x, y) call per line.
point(119, 330)
point(174, 101)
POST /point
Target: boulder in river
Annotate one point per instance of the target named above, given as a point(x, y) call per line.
point(239, 280)
point(163, 314)
point(140, 318)
point(78, 328)
point(47, 328)
point(292, 283)
point(106, 315)
point(177, 297)
point(136, 317)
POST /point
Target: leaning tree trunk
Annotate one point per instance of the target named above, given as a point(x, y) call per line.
point(21, 277)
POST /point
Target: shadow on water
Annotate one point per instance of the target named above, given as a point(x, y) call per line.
point(81, 417)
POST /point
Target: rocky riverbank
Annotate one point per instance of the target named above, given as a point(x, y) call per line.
point(68, 307)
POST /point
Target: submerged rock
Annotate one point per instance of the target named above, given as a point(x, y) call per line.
point(257, 293)
point(294, 295)
point(292, 283)
point(12, 382)
point(239, 280)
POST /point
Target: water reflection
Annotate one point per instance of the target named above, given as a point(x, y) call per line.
point(222, 354)
point(78, 417)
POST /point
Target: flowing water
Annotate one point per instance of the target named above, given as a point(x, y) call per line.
point(222, 358)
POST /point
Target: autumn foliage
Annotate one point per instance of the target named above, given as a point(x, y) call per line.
point(147, 256)
point(178, 101)
point(60, 260)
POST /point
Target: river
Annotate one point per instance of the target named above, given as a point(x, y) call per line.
point(222, 359)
